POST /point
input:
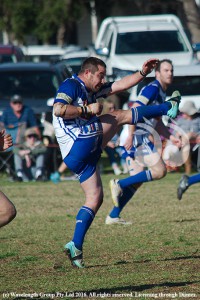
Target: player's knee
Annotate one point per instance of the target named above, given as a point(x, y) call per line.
point(95, 199)
point(158, 173)
point(11, 213)
point(7, 215)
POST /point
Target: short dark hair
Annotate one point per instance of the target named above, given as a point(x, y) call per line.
point(162, 61)
point(92, 64)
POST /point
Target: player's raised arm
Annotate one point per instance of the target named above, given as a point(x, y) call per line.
point(133, 79)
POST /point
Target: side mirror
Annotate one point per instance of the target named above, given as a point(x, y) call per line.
point(102, 51)
point(196, 47)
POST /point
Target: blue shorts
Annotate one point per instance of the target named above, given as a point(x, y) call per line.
point(84, 156)
point(141, 146)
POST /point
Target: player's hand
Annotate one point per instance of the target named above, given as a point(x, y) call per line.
point(149, 66)
point(95, 108)
point(5, 140)
point(129, 142)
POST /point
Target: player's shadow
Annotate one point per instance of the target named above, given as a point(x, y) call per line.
point(145, 261)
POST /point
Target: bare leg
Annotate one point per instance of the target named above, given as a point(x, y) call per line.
point(112, 122)
point(7, 210)
point(93, 191)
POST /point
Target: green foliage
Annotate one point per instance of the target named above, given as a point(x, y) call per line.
point(50, 15)
point(43, 18)
point(17, 17)
point(159, 253)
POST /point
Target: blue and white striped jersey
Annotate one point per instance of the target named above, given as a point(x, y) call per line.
point(74, 92)
point(151, 94)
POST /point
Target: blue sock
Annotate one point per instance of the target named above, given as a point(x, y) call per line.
point(143, 176)
point(194, 179)
point(124, 199)
point(150, 111)
point(84, 219)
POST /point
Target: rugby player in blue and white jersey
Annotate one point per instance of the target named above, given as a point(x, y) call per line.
point(140, 149)
point(82, 133)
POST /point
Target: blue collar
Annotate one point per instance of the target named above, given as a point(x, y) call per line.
point(75, 76)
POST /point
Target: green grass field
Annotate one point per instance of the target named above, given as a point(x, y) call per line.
point(158, 257)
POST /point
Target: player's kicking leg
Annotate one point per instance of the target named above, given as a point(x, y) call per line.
point(169, 108)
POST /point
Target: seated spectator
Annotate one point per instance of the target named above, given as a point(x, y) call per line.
point(188, 129)
point(17, 118)
point(189, 122)
point(29, 157)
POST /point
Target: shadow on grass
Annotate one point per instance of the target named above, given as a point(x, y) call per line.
point(185, 220)
point(135, 288)
point(143, 261)
point(168, 259)
point(144, 287)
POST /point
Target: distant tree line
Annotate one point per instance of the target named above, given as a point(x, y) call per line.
point(55, 21)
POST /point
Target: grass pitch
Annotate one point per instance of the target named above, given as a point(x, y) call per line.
point(158, 257)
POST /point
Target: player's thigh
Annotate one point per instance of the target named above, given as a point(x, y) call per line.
point(156, 164)
point(112, 122)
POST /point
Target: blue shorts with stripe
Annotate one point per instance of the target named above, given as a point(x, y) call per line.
point(84, 156)
point(141, 146)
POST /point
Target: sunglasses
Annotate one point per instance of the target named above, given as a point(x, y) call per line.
point(31, 136)
point(17, 102)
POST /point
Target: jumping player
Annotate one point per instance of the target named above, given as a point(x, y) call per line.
point(140, 151)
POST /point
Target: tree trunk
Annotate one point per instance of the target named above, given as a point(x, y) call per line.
point(61, 35)
point(192, 14)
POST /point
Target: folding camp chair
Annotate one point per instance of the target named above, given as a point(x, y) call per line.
point(7, 157)
point(6, 162)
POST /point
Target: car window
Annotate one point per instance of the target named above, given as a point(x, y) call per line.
point(188, 86)
point(7, 58)
point(150, 42)
point(28, 84)
point(74, 63)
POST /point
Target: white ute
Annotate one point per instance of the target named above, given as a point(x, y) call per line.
point(124, 43)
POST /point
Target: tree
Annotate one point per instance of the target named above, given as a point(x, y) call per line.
point(45, 19)
point(192, 15)
point(17, 18)
point(56, 21)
